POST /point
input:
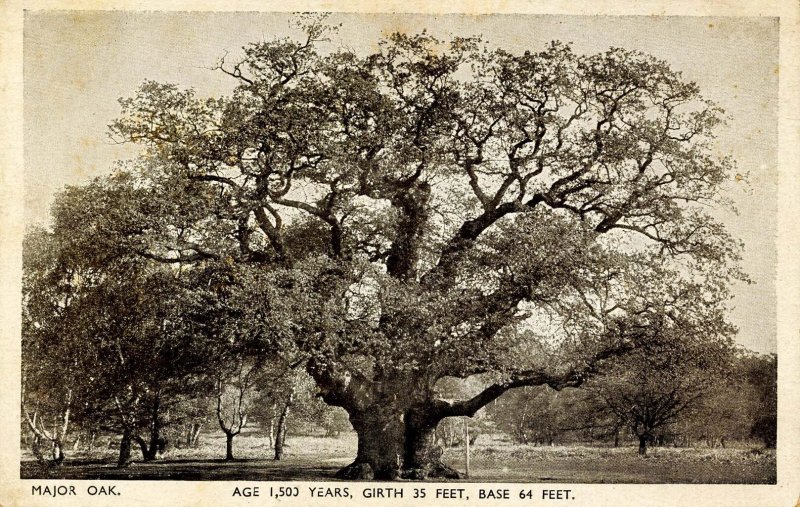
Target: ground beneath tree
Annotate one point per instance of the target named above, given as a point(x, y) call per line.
point(190, 470)
point(317, 458)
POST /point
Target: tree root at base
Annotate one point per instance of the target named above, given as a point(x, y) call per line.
point(361, 471)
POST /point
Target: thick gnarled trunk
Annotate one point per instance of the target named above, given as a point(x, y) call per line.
point(380, 445)
point(422, 458)
point(395, 416)
point(394, 443)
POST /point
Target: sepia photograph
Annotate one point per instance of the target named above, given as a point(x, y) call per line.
point(446, 248)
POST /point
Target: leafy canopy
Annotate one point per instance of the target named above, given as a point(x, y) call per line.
point(434, 208)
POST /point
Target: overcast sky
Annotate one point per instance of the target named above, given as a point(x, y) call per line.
point(77, 64)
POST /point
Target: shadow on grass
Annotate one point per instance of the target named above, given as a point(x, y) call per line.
point(489, 463)
point(185, 470)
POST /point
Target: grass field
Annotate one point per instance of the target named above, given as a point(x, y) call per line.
point(491, 459)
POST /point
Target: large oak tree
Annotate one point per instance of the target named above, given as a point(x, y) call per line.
point(436, 209)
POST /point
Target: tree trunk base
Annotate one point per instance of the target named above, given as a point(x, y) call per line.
point(356, 471)
point(125, 444)
point(361, 471)
point(436, 470)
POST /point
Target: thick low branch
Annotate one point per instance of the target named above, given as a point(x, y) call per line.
point(571, 378)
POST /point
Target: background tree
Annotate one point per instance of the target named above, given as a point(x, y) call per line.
point(311, 414)
point(653, 386)
point(233, 392)
point(537, 415)
point(444, 209)
point(148, 358)
point(726, 412)
point(334, 421)
point(197, 414)
point(143, 328)
point(290, 390)
point(762, 375)
point(53, 358)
